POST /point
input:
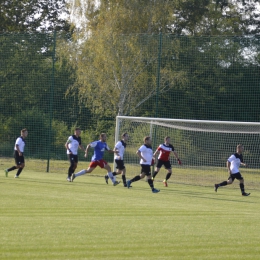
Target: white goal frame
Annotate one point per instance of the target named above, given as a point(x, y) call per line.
point(232, 128)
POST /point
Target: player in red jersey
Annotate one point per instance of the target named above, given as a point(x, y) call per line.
point(164, 151)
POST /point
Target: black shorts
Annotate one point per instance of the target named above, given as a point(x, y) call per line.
point(18, 159)
point(120, 164)
point(73, 158)
point(237, 176)
point(146, 169)
point(166, 164)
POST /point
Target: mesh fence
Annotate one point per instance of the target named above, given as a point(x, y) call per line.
point(163, 75)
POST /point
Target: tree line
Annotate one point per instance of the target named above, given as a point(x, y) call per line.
point(83, 63)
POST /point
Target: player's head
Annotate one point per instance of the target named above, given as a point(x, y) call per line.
point(103, 137)
point(147, 140)
point(240, 148)
point(77, 131)
point(167, 139)
point(24, 132)
point(125, 136)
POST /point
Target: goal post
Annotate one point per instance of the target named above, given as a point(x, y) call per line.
point(202, 145)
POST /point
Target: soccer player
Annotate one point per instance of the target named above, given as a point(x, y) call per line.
point(145, 153)
point(18, 154)
point(72, 145)
point(164, 151)
point(119, 158)
point(97, 159)
point(233, 164)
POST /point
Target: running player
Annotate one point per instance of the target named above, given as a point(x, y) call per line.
point(164, 151)
point(18, 154)
point(100, 147)
point(119, 158)
point(233, 163)
point(145, 153)
point(72, 145)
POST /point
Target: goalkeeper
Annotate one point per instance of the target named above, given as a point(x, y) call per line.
point(164, 151)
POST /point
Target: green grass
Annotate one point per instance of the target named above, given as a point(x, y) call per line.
point(44, 217)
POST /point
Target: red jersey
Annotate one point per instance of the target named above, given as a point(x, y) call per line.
point(165, 151)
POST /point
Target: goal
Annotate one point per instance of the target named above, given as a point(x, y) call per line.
point(203, 147)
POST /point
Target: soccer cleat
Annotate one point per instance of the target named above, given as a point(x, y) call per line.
point(106, 179)
point(128, 184)
point(68, 179)
point(216, 187)
point(72, 177)
point(125, 185)
point(15, 176)
point(245, 194)
point(116, 183)
point(155, 190)
point(165, 183)
point(6, 173)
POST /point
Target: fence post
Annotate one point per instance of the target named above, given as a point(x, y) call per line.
point(51, 100)
point(158, 83)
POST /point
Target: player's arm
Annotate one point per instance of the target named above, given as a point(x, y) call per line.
point(18, 150)
point(67, 145)
point(228, 167)
point(177, 157)
point(81, 147)
point(86, 151)
point(156, 152)
point(243, 164)
point(140, 155)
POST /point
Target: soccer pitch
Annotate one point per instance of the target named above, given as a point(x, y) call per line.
point(45, 217)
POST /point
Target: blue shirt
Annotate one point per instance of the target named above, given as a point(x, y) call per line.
point(99, 149)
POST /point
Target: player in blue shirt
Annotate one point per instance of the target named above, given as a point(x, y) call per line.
point(100, 147)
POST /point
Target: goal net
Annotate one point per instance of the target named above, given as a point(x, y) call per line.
point(203, 147)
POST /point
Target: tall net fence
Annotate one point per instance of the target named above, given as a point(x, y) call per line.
point(51, 84)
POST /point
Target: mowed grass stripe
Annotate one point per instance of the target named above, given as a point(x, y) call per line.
point(45, 217)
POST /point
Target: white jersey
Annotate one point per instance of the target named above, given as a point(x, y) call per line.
point(147, 154)
point(73, 144)
point(120, 147)
point(235, 160)
point(21, 143)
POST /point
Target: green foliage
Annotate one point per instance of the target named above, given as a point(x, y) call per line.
point(33, 15)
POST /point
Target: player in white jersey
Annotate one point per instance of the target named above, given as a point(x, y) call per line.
point(145, 153)
point(72, 145)
point(233, 163)
point(119, 158)
point(18, 154)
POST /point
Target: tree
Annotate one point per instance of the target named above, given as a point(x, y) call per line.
point(32, 15)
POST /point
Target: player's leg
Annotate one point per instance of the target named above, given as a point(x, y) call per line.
point(121, 170)
point(136, 178)
point(168, 167)
point(91, 167)
point(224, 183)
point(157, 169)
point(73, 165)
point(107, 167)
point(20, 165)
point(149, 180)
point(16, 159)
point(241, 184)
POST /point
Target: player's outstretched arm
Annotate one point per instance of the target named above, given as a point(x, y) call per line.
point(177, 157)
point(86, 151)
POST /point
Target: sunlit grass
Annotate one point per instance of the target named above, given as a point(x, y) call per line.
point(45, 217)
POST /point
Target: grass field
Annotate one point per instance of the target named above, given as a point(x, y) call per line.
point(45, 217)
